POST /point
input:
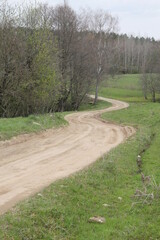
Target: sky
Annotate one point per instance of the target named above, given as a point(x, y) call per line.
point(136, 17)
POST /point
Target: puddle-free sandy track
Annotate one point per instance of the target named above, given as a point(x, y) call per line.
point(30, 163)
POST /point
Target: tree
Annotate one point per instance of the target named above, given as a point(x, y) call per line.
point(151, 71)
point(27, 60)
point(73, 57)
point(42, 84)
point(101, 25)
point(64, 24)
point(9, 51)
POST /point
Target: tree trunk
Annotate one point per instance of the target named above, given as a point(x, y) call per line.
point(153, 96)
point(145, 95)
point(96, 92)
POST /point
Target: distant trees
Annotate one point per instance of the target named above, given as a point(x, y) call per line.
point(51, 57)
point(140, 55)
point(131, 52)
point(150, 78)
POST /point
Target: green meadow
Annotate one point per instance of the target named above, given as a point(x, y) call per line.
point(123, 87)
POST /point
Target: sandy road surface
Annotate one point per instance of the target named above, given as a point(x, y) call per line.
point(30, 163)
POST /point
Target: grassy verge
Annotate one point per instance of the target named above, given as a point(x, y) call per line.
point(10, 127)
point(62, 210)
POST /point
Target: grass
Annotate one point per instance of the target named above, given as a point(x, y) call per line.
point(63, 209)
point(122, 94)
point(128, 81)
point(124, 87)
point(10, 127)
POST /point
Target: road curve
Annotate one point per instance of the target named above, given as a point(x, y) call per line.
point(29, 163)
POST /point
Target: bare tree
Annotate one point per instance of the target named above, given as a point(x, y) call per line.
point(64, 22)
point(74, 54)
point(82, 69)
point(151, 71)
point(101, 25)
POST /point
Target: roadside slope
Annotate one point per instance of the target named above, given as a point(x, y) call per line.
point(30, 164)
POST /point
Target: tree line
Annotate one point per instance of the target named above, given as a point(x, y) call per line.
point(50, 57)
point(140, 55)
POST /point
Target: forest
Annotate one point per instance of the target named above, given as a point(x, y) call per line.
point(51, 57)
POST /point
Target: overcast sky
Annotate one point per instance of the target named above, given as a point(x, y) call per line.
point(137, 17)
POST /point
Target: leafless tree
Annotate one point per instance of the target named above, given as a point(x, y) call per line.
point(74, 54)
point(64, 23)
point(151, 71)
point(101, 24)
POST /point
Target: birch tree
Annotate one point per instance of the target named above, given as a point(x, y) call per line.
point(101, 24)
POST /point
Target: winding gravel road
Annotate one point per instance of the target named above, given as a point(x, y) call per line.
point(29, 163)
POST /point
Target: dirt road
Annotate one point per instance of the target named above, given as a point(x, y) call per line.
point(30, 163)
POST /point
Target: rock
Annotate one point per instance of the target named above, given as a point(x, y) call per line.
point(40, 195)
point(35, 123)
point(139, 161)
point(63, 186)
point(106, 205)
point(97, 219)
point(120, 198)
